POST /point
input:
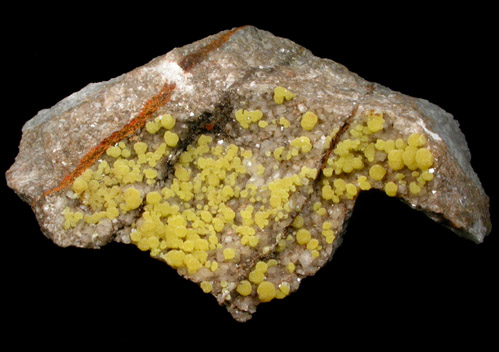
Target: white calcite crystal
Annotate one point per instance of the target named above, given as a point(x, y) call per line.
point(237, 160)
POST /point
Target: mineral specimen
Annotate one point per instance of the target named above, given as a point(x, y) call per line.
point(237, 161)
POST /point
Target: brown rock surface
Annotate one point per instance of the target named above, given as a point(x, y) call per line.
point(203, 85)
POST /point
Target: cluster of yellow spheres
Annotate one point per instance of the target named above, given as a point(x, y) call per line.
point(186, 215)
point(363, 160)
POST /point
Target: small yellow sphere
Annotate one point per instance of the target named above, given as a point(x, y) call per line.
point(424, 158)
point(395, 160)
point(167, 121)
point(266, 291)
point(80, 185)
point(244, 288)
point(256, 277)
point(206, 286)
point(171, 139)
point(409, 157)
point(140, 147)
point(298, 222)
point(391, 189)
point(113, 151)
point(309, 120)
point(133, 199)
point(414, 188)
point(261, 267)
point(229, 253)
point(303, 236)
point(377, 172)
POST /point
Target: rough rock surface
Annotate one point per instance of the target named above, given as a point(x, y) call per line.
point(305, 178)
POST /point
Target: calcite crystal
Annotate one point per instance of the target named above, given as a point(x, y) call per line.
point(237, 160)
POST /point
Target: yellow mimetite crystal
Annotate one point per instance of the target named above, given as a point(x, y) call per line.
point(229, 253)
point(391, 189)
point(132, 198)
point(414, 188)
point(303, 236)
point(262, 124)
point(206, 286)
point(377, 172)
point(395, 159)
point(281, 94)
point(284, 290)
point(298, 222)
point(167, 121)
point(71, 218)
point(171, 139)
point(284, 122)
point(244, 288)
point(266, 291)
point(309, 120)
point(328, 235)
point(114, 151)
point(375, 121)
point(246, 118)
point(261, 267)
point(424, 158)
point(256, 276)
point(80, 186)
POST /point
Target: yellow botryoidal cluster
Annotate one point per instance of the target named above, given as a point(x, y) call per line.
point(71, 218)
point(266, 290)
point(304, 237)
point(246, 118)
point(282, 94)
point(298, 146)
point(110, 188)
point(363, 160)
point(183, 222)
point(217, 189)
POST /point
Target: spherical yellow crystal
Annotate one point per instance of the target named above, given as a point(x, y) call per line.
point(377, 172)
point(167, 121)
point(133, 199)
point(391, 189)
point(303, 236)
point(395, 160)
point(206, 286)
point(281, 94)
point(171, 139)
point(79, 185)
point(229, 253)
point(140, 147)
point(153, 198)
point(256, 276)
point(266, 291)
point(424, 158)
point(309, 120)
point(113, 151)
point(244, 288)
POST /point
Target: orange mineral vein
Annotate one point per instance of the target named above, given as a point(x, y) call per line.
point(191, 60)
point(148, 110)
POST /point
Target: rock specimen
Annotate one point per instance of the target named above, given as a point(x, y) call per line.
point(237, 160)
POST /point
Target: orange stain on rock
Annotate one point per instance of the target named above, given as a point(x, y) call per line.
point(191, 60)
point(149, 108)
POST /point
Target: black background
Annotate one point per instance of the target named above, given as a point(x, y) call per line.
point(398, 280)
